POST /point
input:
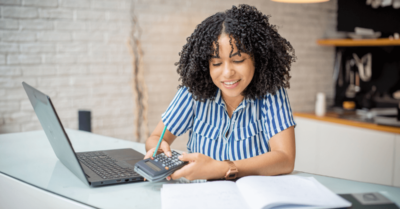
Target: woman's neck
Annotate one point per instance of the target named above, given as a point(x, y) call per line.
point(233, 102)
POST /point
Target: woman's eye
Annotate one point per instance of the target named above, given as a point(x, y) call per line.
point(217, 64)
point(240, 61)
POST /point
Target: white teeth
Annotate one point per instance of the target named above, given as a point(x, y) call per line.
point(230, 83)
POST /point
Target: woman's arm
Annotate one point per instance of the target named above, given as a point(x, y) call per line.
point(152, 141)
point(280, 160)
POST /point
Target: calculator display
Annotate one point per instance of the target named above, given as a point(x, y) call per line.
point(152, 166)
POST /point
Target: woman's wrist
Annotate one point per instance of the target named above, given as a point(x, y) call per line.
point(221, 168)
point(151, 142)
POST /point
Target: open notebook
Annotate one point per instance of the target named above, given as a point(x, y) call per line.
point(252, 192)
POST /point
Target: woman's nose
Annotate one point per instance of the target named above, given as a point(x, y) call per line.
point(228, 70)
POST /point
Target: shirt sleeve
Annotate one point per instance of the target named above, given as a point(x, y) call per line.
point(179, 115)
point(277, 113)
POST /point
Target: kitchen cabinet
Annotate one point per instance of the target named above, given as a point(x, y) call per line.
point(396, 179)
point(358, 42)
point(348, 152)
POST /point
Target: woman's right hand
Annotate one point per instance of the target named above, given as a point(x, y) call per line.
point(164, 148)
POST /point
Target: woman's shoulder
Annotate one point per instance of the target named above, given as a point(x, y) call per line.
point(278, 97)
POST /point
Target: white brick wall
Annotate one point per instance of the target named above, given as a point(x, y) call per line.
point(75, 51)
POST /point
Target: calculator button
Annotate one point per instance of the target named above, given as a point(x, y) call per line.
point(166, 168)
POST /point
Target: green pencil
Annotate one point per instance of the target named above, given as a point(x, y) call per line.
point(159, 141)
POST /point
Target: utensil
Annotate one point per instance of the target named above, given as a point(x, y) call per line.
point(336, 72)
point(350, 91)
point(364, 66)
point(357, 86)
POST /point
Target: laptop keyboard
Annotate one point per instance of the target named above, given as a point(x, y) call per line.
point(105, 166)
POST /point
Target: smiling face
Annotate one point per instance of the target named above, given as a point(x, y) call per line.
point(231, 74)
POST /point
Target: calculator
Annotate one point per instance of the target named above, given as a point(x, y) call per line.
point(159, 167)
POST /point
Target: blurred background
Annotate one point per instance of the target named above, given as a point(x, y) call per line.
point(115, 58)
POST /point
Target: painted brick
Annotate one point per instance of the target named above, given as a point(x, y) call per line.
point(9, 128)
point(36, 47)
point(8, 83)
point(88, 36)
point(95, 48)
point(122, 58)
point(53, 81)
point(39, 70)
point(76, 47)
point(56, 13)
point(68, 25)
point(8, 24)
point(60, 59)
point(11, 2)
point(19, 12)
point(18, 116)
point(9, 106)
point(114, 15)
point(2, 59)
point(31, 126)
point(24, 59)
point(36, 24)
point(87, 59)
point(9, 71)
point(15, 94)
point(90, 15)
point(40, 3)
point(75, 3)
point(108, 4)
point(119, 37)
point(71, 70)
point(101, 25)
point(17, 36)
point(54, 36)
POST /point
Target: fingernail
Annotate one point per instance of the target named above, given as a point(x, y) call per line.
point(180, 156)
point(168, 178)
point(169, 154)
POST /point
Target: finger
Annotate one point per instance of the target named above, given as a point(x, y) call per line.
point(184, 171)
point(149, 153)
point(167, 150)
point(188, 157)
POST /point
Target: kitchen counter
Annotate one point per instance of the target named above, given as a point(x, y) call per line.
point(335, 118)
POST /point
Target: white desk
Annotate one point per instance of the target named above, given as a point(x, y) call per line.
point(28, 157)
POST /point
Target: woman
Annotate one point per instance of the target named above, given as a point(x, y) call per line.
point(234, 70)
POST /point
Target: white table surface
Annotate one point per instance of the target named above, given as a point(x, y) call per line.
point(28, 157)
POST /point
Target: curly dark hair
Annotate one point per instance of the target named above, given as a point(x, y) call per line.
point(252, 34)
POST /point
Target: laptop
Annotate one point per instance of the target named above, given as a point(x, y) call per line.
point(97, 168)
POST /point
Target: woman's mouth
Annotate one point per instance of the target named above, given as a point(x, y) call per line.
point(231, 84)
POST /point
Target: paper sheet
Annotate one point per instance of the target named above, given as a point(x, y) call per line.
point(261, 191)
point(209, 195)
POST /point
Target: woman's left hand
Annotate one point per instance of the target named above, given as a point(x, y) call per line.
point(200, 167)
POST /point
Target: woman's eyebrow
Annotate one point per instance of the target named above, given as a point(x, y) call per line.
point(234, 54)
point(215, 56)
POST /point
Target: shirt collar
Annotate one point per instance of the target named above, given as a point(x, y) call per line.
point(220, 101)
point(218, 98)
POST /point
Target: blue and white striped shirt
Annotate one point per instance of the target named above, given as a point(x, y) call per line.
point(213, 133)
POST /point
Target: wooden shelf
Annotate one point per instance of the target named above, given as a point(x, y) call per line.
point(361, 42)
point(334, 118)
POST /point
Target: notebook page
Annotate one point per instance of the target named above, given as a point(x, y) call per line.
point(270, 191)
point(211, 195)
